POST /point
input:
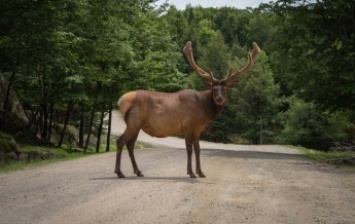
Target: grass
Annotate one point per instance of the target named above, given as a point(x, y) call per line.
point(65, 153)
point(24, 165)
point(321, 156)
point(62, 153)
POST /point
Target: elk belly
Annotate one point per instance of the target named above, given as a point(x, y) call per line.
point(161, 130)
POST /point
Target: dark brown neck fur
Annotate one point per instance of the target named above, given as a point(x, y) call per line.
point(211, 107)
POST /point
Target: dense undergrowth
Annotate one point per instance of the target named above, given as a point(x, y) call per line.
point(14, 156)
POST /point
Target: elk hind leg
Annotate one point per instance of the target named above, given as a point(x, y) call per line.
point(127, 138)
point(130, 147)
point(120, 142)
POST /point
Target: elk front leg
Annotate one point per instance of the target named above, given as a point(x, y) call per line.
point(197, 154)
point(120, 143)
point(188, 143)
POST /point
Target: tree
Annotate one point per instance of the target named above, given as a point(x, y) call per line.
point(59, 52)
point(216, 57)
point(305, 125)
point(257, 104)
point(312, 50)
point(27, 45)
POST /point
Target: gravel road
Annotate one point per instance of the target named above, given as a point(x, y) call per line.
point(244, 184)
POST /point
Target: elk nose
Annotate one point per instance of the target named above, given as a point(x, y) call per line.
point(219, 100)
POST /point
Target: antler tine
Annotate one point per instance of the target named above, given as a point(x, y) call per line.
point(256, 51)
point(251, 59)
point(211, 74)
point(206, 77)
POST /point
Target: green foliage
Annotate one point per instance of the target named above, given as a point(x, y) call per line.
point(304, 124)
point(216, 56)
point(57, 155)
point(7, 143)
point(250, 113)
point(342, 125)
point(331, 157)
point(312, 50)
point(257, 104)
point(73, 59)
point(307, 125)
point(84, 54)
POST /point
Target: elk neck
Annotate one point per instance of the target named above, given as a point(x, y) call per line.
point(212, 108)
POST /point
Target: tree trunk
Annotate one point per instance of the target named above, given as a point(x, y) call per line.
point(34, 115)
point(98, 143)
point(98, 87)
point(50, 125)
point(90, 127)
point(39, 121)
point(81, 130)
point(44, 133)
point(7, 100)
point(66, 121)
point(42, 79)
point(109, 128)
point(261, 140)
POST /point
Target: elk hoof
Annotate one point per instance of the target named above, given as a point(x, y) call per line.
point(202, 175)
point(120, 175)
point(139, 174)
point(192, 175)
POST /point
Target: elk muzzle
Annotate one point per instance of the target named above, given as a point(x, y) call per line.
point(219, 94)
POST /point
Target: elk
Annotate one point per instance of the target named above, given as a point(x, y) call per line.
point(183, 113)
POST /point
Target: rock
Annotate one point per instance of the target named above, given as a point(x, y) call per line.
point(32, 156)
point(12, 155)
point(16, 118)
point(22, 157)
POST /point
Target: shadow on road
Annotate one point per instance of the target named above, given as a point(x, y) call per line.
point(253, 154)
point(150, 178)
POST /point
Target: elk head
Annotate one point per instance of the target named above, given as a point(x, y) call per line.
point(219, 87)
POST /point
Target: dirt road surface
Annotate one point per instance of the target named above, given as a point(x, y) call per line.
point(244, 184)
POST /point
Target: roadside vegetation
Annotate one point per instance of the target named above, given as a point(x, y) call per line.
point(57, 155)
point(64, 64)
point(26, 156)
point(340, 159)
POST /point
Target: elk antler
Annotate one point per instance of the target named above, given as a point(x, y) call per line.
point(207, 78)
point(232, 79)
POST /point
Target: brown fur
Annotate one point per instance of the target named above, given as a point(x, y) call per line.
point(184, 113)
point(153, 111)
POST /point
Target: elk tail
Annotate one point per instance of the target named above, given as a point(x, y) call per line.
point(125, 103)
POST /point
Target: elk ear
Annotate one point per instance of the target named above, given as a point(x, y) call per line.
point(208, 80)
point(232, 82)
point(207, 83)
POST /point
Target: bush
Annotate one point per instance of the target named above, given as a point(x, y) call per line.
point(305, 125)
point(7, 143)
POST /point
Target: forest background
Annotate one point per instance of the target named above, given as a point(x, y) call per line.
point(69, 61)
